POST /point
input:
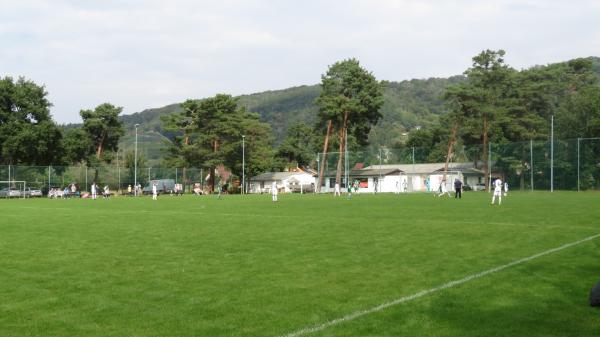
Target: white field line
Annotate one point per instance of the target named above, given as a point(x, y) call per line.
point(360, 313)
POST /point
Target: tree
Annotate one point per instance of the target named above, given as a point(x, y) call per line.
point(480, 102)
point(349, 101)
point(27, 133)
point(103, 127)
point(215, 138)
point(76, 146)
point(298, 146)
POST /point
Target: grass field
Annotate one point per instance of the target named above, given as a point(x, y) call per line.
point(244, 266)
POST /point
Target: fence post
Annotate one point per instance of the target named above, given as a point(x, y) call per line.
point(531, 161)
point(489, 172)
point(49, 178)
point(552, 154)
point(176, 175)
point(578, 164)
point(86, 178)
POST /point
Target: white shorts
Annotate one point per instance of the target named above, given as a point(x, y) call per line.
point(497, 192)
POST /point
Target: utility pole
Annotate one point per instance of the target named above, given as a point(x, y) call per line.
point(135, 162)
point(243, 164)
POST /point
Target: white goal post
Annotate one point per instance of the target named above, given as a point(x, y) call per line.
point(13, 189)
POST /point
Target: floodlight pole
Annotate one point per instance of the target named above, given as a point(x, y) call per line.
point(379, 181)
point(243, 164)
point(552, 154)
point(118, 171)
point(578, 139)
point(346, 163)
point(135, 162)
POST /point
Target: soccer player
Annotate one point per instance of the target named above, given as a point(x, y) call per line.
point(336, 190)
point(154, 191)
point(443, 189)
point(274, 191)
point(497, 191)
point(94, 190)
point(505, 188)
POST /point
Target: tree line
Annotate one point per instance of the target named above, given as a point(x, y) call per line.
point(492, 102)
point(29, 136)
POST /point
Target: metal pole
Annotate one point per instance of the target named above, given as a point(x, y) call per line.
point(379, 181)
point(531, 161)
point(578, 139)
point(243, 164)
point(176, 175)
point(118, 173)
point(149, 168)
point(135, 162)
point(552, 154)
point(346, 163)
point(490, 167)
point(318, 173)
point(49, 178)
point(86, 180)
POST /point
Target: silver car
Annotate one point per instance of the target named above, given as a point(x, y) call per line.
point(6, 193)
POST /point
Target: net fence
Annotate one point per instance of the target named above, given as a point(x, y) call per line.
point(572, 164)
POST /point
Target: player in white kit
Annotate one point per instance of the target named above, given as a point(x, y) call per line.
point(497, 191)
point(274, 191)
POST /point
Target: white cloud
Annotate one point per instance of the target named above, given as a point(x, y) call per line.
point(142, 54)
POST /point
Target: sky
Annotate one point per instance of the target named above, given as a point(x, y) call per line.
point(141, 54)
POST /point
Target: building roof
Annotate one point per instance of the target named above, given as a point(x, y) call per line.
point(272, 176)
point(367, 172)
point(467, 168)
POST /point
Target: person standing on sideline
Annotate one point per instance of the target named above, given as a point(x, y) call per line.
point(274, 191)
point(94, 190)
point(505, 188)
point(457, 188)
point(336, 190)
point(397, 191)
point(154, 191)
point(497, 191)
point(443, 189)
point(129, 190)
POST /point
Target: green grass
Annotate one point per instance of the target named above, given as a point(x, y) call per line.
point(244, 266)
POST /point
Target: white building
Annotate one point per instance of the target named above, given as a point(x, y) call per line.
point(428, 177)
point(370, 180)
point(287, 182)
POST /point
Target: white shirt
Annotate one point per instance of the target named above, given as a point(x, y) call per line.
point(498, 185)
point(153, 189)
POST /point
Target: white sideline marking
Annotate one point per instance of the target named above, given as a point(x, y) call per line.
point(360, 313)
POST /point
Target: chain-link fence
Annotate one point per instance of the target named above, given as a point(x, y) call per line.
point(532, 165)
point(572, 164)
point(117, 178)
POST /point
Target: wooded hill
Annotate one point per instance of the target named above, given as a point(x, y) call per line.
point(407, 104)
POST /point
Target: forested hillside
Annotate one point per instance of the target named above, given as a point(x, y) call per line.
point(407, 104)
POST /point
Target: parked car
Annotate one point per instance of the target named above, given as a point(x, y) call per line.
point(9, 193)
point(162, 186)
point(33, 193)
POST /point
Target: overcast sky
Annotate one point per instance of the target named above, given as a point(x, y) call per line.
point(144, 54)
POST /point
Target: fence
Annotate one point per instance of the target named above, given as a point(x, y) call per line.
point(532, 165)
point(47, 177)
point(572, 164)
